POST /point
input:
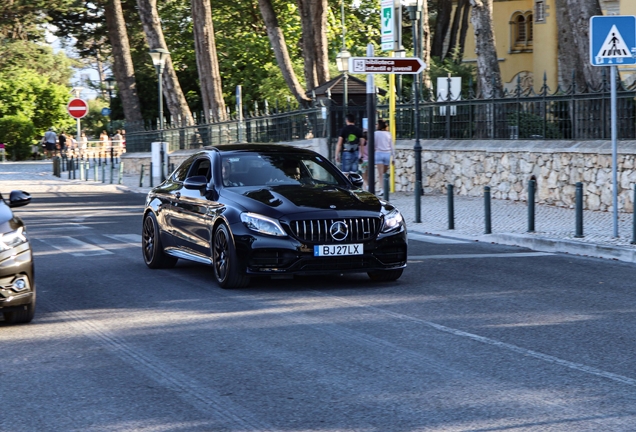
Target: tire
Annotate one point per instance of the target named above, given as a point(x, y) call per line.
point(23, 316)
point(385, 275)
point(227, 271)
point(151, 247)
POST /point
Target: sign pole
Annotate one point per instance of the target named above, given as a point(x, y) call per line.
point(371, 125)
point(613, 72)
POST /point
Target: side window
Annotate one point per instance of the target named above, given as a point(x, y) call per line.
point(181, 172)
point(201, 167)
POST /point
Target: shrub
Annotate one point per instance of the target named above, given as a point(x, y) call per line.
point(17, 132)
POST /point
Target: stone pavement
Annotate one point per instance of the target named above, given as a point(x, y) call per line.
point(554, 226)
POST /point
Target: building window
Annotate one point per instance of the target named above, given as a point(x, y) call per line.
point(521, 32)
point(539, 8)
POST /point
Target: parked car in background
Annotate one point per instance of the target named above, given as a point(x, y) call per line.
point(17, 285)
point(271, 210)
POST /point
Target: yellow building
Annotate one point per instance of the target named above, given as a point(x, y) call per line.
point(527, 41)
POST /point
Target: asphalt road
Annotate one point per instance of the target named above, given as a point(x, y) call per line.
point(473, 337)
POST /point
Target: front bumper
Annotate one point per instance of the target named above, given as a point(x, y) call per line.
point(15, 265)
point(265, 255)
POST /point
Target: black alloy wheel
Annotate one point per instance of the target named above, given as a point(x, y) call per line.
point(226, 263)
point(154, 256)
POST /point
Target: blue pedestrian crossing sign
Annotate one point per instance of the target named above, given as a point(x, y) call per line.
point(612, 40)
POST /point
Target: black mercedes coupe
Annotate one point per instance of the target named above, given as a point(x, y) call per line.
point(270, 210)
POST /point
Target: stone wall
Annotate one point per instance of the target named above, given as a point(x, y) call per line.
point(507, 166)
point(504, 165)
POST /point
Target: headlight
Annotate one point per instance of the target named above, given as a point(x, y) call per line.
point(12, 239)
point(392, 221)
point(262, 224)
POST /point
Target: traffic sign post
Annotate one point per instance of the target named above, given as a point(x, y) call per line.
point(613, 42)
point(77, 108)
point(386, 65)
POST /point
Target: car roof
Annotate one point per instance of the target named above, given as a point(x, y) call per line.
point(263, 148)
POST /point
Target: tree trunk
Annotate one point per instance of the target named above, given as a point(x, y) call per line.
point(573, 17)
point(207, 61)
point(457, 17)
point(320, 8)
point(489, 74)
point(425, 45)
point(173, 95)
point(463, 32)
point(309, 47)
point(444, 12)
point(122, 62)
point(489, 117)
point(277, 40)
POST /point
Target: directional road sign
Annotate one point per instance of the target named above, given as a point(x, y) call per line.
point(612, 40)
point(386, 65)
point(77, 108)
point(387, 20)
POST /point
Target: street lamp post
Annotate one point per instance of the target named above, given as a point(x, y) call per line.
point(414, 12)
point(342, 61)
point(159, 56)
point(110, 85)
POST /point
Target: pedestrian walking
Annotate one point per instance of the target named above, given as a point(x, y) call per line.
point(50, 141)
point(3, 157)
point(384, 150)
point(347, 148)
point(118, 141)
point(62, 143)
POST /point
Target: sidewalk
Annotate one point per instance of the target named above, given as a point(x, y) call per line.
point(554, 226)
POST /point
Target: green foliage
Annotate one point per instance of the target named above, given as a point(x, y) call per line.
point(17, 132)
point(37, 57)
point(24, 91)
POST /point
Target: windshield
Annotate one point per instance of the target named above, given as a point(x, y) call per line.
point(268, 169)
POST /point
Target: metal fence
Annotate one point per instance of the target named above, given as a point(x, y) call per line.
point(564, 114)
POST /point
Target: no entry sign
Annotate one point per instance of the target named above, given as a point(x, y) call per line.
point(77, 108)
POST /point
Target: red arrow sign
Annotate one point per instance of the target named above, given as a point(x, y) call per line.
point(386, 65)
point(77, 108)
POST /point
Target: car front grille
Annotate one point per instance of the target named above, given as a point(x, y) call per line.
point(317, 230)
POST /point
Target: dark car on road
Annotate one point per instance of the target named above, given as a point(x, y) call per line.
point(271, 210)
point(17, 286)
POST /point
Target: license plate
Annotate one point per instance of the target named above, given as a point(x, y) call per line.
point(339, 250)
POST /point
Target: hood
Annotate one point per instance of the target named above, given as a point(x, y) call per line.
point(291, 199)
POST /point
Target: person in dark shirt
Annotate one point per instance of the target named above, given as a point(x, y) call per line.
point(349, 141)
point(62, 142)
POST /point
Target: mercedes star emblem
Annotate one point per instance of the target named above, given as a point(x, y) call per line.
point(339, 231)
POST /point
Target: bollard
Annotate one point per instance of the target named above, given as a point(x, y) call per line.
point(56, 166)
point(451, 207)
point(70, 169)
point(141, 177)
point(579, 210)
point(120, 179)
point(385, 189)
point(112, 156)
point(487, 209)
point(418, 210)
point(634, 217)
point(531, 193)
point(104, 172)
point(150, 174)
point(112, 168)
point(81, 168)
point(74, 164)
point(96, 176)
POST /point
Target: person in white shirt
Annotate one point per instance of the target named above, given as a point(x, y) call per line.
point(384, 151)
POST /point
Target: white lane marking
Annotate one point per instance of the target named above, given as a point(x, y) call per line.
point(495, 255)
point(74, 247)
point(510, 347)
point(134, 239)
point(434, 239)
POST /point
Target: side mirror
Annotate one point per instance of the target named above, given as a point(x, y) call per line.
point(196, 182)
point(356, 179)
point(19, 198)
